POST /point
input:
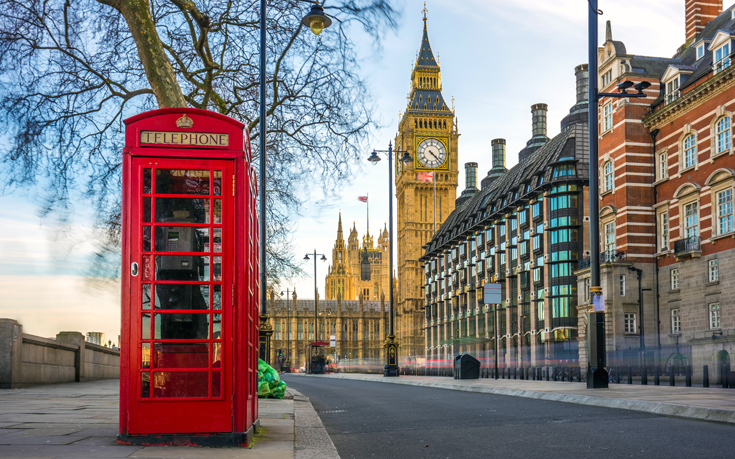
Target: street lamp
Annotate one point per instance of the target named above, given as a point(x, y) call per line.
point(391, 345)
point(597, 377)
point(316, 307)
point(317, 21)
point(288, 326)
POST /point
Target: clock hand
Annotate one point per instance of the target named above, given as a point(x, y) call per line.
point(432, 155)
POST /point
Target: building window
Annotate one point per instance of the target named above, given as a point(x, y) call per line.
point(610, 241)
point(607, 172)
point(722, 133)
point(676, 321)
point(587, 284)
point(724, 212)
point(691, 220)
point(700, 51)
point(713, 271)
point(606, 79)
point(690, 151)
point(607, 121)
point(630, 322)
point(622, 284)
point(672, 90)
point(722, 58)
point(664, 228)
point(663, 165)
point(674, 275)
point(714, 315)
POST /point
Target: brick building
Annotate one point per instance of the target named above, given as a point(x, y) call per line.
point(666, 199)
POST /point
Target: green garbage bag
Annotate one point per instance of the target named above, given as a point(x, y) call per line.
point(269, 383)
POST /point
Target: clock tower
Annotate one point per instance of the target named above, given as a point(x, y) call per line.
point(428, 130)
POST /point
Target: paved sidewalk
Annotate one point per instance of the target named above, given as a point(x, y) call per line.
point(709, 404)
point(80, 420)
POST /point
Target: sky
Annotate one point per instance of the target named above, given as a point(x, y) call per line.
point(497, 59)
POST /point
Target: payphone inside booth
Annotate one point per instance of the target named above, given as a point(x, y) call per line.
point(189, 306)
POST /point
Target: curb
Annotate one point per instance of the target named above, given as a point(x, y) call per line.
point(658, 408)
point(311, 440)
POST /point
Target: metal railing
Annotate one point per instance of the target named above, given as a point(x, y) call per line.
point(687, 244)
point(616, 256)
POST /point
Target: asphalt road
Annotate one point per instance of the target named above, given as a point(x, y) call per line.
point(374, 420)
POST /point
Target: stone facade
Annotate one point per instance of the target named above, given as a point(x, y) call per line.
point(360, 327)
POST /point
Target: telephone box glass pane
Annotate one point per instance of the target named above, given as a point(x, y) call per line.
point(146, 303)
point(217, 183)
point(217, 270)
point(216, 297)
point(146, 210)
point(145, 327)
point(217, 240)
point(180, 384)
point(182, 268)
point(181, 239)
point(146, 239)
point(182, 181)
point(216, 355)
point(145, 355)
point(180, 355)
point(182, 296)
point(217, 212)
point(181, 326)
point(217, 326)
point(182, 210)
point(145, 385)
point(146, 181)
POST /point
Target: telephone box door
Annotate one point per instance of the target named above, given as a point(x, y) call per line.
point(181, 287)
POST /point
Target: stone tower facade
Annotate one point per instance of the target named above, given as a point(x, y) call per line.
point(344, 279)
point(428, 131)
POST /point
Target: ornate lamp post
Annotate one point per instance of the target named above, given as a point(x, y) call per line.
point(597, 376)
point(316, 304)
point(391, 345)
point(288, 326)
point(317, 21)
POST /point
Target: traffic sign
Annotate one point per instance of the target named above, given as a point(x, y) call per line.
point(491, 293)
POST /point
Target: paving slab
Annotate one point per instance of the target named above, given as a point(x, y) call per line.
point(80, 421)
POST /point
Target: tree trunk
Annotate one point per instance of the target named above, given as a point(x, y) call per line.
point(156, 63)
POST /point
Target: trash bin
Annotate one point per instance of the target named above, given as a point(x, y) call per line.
point(466, 367)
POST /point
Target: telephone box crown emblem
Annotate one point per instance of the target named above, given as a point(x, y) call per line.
point(184, 122)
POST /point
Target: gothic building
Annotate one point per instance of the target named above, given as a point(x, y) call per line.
point(345, 280)
point(428, 131)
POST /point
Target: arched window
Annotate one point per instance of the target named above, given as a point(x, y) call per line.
point(722, 133)
point(607, 171)
point(690, 151)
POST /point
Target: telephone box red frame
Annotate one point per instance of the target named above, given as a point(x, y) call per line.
point(187, 140)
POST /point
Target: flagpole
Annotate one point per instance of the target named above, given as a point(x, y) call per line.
point(367, 201)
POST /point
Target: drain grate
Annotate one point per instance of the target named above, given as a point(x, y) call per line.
point(333, 411)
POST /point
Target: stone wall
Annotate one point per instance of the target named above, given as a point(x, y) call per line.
point(27, 360)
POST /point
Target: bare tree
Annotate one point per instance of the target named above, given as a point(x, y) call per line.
point(71, 71)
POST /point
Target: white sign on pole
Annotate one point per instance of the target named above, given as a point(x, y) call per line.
point(598, 303)
point(333, 341)
point(491, 293)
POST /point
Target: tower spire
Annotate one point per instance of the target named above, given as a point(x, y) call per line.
point(339, 227)
point(425, 11)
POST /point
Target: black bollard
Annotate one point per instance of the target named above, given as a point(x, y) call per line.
point(630, 374)
point(618, 375)
point(705, 376)
point(644, 375)
point(672, 376)
point(723, 376)
point(515, 373)
point(548, 376)
point(689, 376)
point(657, 375)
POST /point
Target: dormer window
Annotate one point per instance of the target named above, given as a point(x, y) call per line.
point(672, 90)
point(700, 51)
point(722, 58)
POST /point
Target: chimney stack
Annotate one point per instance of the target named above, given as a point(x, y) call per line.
point(698, 14)
point(583, 82)
point(498, 146)
point(538, 112)
point(470, 170)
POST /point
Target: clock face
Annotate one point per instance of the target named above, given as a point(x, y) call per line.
point(432, 153)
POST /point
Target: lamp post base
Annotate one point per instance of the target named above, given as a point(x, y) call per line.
point(265, 330)
point(391, 368)
point(597, 378)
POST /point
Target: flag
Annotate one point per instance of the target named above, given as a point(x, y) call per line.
point(362, 198)
point(425, 176)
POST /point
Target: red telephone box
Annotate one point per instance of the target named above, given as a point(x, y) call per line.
point(189, 281)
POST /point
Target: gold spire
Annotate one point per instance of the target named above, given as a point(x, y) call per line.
point(425, 11)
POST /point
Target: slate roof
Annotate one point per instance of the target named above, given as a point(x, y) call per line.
point(420, 106)
point(487, 205)
point(426, 56)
